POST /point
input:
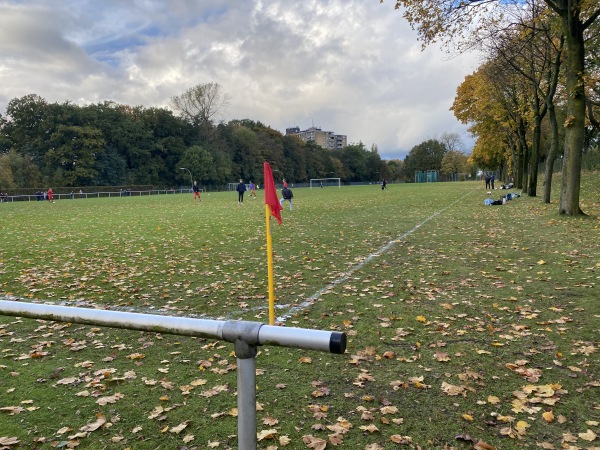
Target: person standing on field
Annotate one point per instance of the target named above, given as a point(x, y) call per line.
point(50, 196)
point(196, 190)
point(286, 194)
point(241, 188)
point(252, 188)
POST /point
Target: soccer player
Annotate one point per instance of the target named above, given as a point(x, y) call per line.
point(241, 188)
point(288, 195)
point(252, 188)
point(196, 190)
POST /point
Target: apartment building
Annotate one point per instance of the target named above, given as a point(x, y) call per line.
point(325, 139)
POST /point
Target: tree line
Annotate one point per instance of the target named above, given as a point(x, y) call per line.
point(536, 96)
point(46, 144)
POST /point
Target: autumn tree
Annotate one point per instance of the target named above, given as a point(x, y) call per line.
point(492, 101)
point(454, 163)
point(532, 48)
point(449, 20)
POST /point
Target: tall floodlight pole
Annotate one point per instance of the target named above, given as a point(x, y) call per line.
point(191, 179)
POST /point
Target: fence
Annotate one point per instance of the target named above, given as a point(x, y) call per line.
point(246, 337)
point(40, 196)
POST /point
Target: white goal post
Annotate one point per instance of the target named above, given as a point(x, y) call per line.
point(316, 182)
point(233, 186)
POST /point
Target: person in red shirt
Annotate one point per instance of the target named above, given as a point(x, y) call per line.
point(50, 195)
point(196, 190)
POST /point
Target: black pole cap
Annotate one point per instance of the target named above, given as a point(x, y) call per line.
point(337, 343)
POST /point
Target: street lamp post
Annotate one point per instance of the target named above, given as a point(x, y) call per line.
point(191, 179)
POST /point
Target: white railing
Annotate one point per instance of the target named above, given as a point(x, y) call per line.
point(76, 195)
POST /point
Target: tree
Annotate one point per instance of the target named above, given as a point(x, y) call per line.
point(294, 153)
point(247, 161)
point(427, 155)
point(6, 177)
point(199, 162)
point(532, 48)
point(199, 105)
point(452, 141)
point(395, 169)
point(27, 126)
point(493, 102)
point(354, 158)
point(374, 166)
point(449, 19)
point(454, 163)
point(111, 169)
point(74, 150)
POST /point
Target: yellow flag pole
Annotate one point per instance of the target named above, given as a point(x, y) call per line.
point(270, 267)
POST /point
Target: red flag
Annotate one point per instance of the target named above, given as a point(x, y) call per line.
point(271, 193)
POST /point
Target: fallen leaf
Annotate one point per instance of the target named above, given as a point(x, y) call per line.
point(480, 445)
point(548, 416)
point(94, 425)
point(266, 434)
point(179, 428)
point(493, 399)
point(403, 440)
point(314, 442)
point(589, 435)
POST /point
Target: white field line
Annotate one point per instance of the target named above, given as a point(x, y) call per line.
point(310, 300)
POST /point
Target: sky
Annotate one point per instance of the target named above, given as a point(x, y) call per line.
point(353, 67)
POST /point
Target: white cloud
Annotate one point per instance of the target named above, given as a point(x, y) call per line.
point(349, 66)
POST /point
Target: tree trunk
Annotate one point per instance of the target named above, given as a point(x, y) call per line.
point(534, 157)
point(575, 121)
point(549, 99)
point(551, 154)
point(524, 160)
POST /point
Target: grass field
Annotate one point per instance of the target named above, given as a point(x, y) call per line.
point(469, 326)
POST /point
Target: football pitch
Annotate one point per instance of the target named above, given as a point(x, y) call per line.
point(469, 326)
point(209, 258)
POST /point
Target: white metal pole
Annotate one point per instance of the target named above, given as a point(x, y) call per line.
point(245, 336)
point(246, 395)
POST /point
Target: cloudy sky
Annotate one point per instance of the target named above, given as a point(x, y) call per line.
point(349, 66)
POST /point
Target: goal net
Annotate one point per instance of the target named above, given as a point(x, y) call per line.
point(427, 176)
point(325, 182)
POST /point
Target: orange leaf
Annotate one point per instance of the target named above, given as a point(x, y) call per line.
point(548, 416)
point(480, 445)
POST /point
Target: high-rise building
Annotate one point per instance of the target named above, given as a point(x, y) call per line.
point(325, 139)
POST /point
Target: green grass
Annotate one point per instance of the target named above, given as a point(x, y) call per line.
point(438, 294)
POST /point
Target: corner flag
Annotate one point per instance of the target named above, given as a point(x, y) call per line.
point(271, 193)
point(272, 208)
